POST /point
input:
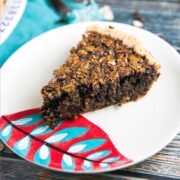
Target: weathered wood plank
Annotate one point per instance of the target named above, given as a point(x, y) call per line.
point(143, 4)
point(161, 21)
point(164, 25)
point(11, 168)
point(129, 1)
point(162, 18)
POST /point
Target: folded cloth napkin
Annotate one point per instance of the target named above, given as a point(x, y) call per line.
point(40, 17)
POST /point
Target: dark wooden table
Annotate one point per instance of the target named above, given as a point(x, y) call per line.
point(161, 17)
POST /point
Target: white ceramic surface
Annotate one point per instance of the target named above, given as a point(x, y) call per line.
point(138, 129)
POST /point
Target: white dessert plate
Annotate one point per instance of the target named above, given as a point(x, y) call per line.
point(107, 139)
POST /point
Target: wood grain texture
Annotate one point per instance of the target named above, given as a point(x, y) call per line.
point(12, 168)
point(161, 17)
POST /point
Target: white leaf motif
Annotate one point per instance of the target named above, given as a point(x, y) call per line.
point(44, 152)
point(68, 160)
point(119, 162)
point(22, 121)
point(95, 155)
point(6, 130)
point(56, 138)
point(39, 130)
point(87, 163)
point(112, 159)
point(76, 148)
point(23, 144)
point(103, 165)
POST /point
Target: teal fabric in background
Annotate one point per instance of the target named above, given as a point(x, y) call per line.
point(38, 17)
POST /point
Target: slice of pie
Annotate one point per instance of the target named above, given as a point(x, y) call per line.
point(106, 67)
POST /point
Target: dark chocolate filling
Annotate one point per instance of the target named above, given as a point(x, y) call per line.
point(68, 106)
